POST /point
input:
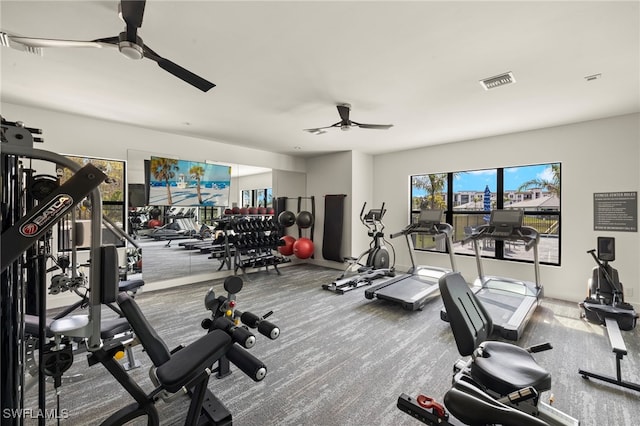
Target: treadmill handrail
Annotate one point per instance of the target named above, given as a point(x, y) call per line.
point(486, 231)
point(415, 228)
point(531, 238)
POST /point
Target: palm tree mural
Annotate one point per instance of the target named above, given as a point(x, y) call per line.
point(434, 185)
point(197, 172)
point(163, 169)
point(551, 185)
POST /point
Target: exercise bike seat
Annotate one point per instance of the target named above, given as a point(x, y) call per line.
point(471, 405)
point(500, 367)
point(489, 369)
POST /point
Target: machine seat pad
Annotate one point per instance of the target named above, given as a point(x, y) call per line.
point(130, 285)
point(489, 369)
point(108, 328)
point(189, 362)
point(112, 327)
point(32, 325)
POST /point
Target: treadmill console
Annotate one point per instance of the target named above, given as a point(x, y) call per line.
point(429, 218)
point(504, 222)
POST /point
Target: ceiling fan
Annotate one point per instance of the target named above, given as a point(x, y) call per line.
point(128, 42)
point(346, 124)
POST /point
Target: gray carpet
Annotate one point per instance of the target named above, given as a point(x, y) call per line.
point(343, 360)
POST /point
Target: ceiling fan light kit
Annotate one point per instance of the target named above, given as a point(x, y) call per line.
point(129, 49)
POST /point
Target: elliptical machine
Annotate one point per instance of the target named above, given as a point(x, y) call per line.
point(606, 293)
point(378, 263)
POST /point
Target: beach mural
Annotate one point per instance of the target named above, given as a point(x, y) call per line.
point(188, 183)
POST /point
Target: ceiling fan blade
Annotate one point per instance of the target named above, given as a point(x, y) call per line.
point(343, 110)
point(46, 42)
point(319, 130)
point(178, 71)
point(132, 11)
point(372, 126)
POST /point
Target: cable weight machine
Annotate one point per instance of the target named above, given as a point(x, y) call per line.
point(26, 222)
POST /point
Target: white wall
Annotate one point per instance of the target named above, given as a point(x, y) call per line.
point(596, 156)
point(330, 174)
point(289, 184)
point(361, 192)
point(250, 182)
point(74, 134)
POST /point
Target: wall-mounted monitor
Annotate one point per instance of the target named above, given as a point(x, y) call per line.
point(188, 183)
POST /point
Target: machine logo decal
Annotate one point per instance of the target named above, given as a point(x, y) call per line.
point(48, 213)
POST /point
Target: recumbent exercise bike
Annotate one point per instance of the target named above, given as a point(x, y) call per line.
point(499, 385)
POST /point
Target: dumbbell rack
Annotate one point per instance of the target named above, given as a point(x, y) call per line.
point(252, 243)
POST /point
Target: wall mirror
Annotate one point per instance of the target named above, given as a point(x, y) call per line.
point(164, 232)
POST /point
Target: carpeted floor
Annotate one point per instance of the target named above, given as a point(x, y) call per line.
point(343, 360)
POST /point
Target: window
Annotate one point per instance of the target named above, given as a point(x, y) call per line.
point(113, 200)
point(257, 197)
point(468, 196)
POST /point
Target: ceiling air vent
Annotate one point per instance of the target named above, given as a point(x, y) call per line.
point(497, 81)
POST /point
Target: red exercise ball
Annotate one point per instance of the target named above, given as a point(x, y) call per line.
point(287, 248)
point(303, 248)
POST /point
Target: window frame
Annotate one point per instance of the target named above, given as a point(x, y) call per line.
point(450, 213)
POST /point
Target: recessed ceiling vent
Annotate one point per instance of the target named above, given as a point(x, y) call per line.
point(497, 81)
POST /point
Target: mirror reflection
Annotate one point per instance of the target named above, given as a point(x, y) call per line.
point(183, 238)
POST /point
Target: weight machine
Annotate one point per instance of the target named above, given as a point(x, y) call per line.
point(26, 224)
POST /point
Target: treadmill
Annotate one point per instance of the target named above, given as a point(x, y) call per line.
point(510, 302)
point(419, 285)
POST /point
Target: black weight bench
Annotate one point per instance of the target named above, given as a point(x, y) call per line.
point(187, 368)
point(620, 349)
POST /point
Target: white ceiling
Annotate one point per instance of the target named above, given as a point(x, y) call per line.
point(281, 67)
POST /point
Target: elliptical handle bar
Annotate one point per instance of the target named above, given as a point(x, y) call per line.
point(362, 211)
point(397, 234)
